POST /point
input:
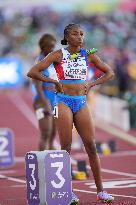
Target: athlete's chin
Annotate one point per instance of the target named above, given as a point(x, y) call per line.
point(80, 43)
point(77, 44)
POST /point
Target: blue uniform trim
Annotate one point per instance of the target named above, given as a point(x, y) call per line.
point(72, 81)
point(75, 103)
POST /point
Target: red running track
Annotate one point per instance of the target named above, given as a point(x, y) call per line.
point(118, 170)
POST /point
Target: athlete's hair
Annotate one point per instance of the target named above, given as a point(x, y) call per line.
point(66, 32)
point(45, 37)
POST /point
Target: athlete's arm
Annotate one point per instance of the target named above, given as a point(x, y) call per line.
point(108, 72)
point(39, 89)
point(36, 71)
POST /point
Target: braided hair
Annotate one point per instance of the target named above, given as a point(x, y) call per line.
point(66, 32)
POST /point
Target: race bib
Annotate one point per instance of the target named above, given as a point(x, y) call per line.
point(75, 69)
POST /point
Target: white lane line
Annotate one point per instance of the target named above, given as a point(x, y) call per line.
point(12, 179)
point(15, 186)
point(19, 159)
point(27, 112)
point(104, 180)
point(116, 132)
point(117, 172)
point(92, 192)
point(7, 171)
point(116, 154)
point(18, 186)
point(124, 153)
point(24, 108)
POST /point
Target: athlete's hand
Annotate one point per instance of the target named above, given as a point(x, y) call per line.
point(88, 86)
point(59, 87)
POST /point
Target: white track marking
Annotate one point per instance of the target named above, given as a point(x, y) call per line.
point(131, 183)
point(92, 192)
point(19, 159)
point(18, 186)
point(116, 132)
point(104, 180)
point(12, 179)
point(124, 153)
point(24, 108)
point(117, 172)
point(116, 154)
point(7, 171)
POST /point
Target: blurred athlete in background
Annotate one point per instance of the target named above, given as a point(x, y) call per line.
point(45, 96)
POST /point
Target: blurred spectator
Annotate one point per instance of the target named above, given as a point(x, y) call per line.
point(121, 63)
point(131, 99)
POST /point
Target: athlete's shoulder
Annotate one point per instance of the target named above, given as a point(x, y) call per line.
point(56, 55)
point(92, 56)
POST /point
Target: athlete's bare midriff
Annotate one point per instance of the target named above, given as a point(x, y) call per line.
point(74, 89)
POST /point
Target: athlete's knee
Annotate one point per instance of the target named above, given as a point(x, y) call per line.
point(45, 133)
point(91, 147)
point(53, 133)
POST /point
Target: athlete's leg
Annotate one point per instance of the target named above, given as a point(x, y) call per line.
point(64, 126)
point(51, 96)
point(85, 127)
point(45, 120)
point(53, 134)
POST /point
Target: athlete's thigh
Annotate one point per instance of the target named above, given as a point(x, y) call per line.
point(84, 124)
point(45, 121)
point(64, 123)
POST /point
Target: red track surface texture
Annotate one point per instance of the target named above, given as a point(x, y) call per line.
point(118, 170)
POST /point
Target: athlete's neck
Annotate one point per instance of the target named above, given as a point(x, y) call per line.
point(73, 49)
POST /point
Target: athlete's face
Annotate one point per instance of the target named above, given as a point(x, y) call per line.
point(48, 46)
point(75, 37)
